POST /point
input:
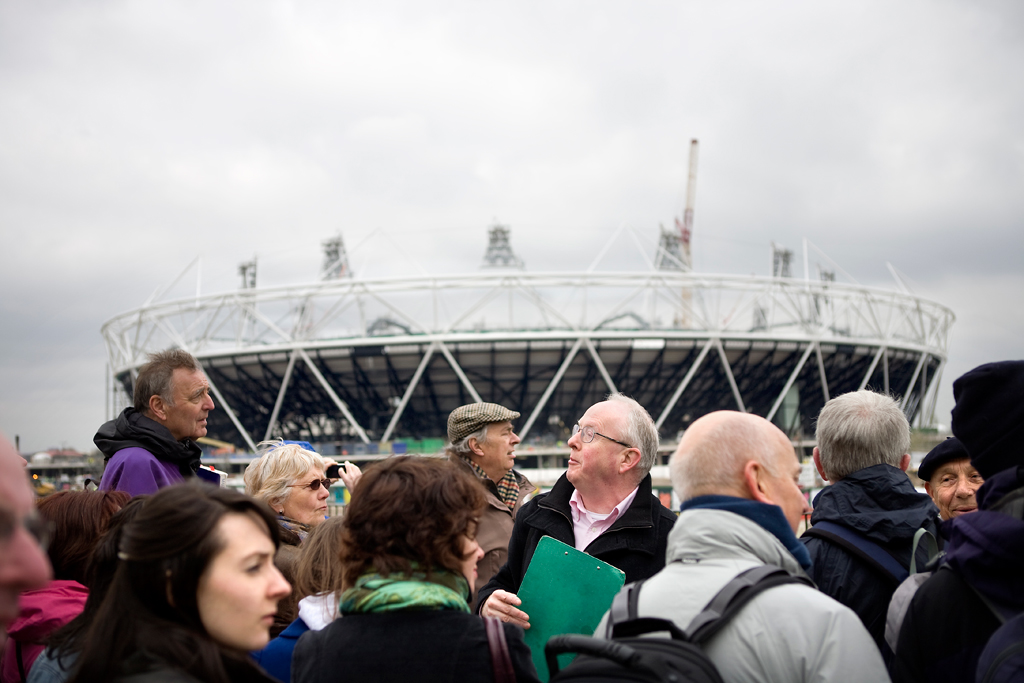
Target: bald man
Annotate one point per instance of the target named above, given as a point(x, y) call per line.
point(23, 564)
point(737, 477)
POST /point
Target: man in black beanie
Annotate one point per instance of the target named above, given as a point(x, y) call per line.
point(950, 478)
point(954, 613)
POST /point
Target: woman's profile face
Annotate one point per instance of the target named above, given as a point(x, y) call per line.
point(239, 590)
point(471, 554)
point(305, 504)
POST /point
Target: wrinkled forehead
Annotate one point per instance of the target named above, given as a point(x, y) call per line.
point(955, 466)
point(187, 381)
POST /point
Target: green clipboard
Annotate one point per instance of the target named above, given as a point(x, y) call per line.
point(564, 591)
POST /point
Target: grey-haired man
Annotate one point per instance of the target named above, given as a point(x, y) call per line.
point(484, 441)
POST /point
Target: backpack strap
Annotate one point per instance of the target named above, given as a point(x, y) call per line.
point(501, 661)
point(623, 606)
point(735, 596)
point(862, 547)
point(933, 548)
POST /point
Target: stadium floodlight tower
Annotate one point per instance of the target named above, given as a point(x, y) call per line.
point(362, 363)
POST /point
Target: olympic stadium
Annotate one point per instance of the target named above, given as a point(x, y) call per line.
point(366, 366)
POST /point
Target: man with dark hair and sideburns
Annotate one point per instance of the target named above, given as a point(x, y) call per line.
point(152, 443)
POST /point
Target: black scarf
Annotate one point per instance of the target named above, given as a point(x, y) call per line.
point(132, 429)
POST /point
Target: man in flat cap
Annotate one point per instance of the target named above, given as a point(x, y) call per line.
point(950, 478)
point(483, 440)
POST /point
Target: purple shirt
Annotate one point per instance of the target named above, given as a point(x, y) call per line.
point(136, 471)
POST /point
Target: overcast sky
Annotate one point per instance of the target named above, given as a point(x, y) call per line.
point(135, 136)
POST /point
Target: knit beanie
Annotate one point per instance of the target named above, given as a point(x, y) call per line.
point(988, 417)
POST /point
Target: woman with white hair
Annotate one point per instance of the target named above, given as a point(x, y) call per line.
point(289, 477)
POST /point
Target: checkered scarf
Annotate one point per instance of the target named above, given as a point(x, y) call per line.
point(508, 486)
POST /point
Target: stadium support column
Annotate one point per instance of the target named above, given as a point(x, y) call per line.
point(408, 391)
point(729, 376)
point(280, 395)
point(334, 396)
point(789, 382)
point(459, 373)
point(231, 413)
point(821, 372)
point(871, 369)
point(913, 379)
point(685, 383)
point(600, 365)
point(550, 388)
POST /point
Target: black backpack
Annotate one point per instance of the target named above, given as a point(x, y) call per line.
point(628, 656)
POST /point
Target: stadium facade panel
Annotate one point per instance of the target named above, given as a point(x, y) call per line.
point(370, 360)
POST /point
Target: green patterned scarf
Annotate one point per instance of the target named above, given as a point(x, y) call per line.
point(396, 592)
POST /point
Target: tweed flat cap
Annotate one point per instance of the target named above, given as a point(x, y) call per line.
point(465, 420)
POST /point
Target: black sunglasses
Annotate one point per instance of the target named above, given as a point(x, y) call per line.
point(313, 485)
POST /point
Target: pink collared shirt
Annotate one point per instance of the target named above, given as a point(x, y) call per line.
point(587, 525)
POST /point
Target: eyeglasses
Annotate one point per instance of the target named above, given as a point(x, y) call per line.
point(313, 485)
point(37, 527)
point(587, 435)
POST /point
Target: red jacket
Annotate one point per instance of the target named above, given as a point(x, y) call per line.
point(42, 612)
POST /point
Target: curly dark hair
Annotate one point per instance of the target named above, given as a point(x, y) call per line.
point(409, 509)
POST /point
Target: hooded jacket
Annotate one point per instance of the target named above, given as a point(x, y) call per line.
point(947, 624)
point(789, 633)
point(42, 612)
point(635, 543)
point(142, 455)
point(880, 503)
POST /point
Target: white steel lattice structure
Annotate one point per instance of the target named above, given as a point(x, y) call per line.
point(378, 359)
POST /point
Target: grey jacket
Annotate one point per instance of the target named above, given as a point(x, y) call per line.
point(788, 634)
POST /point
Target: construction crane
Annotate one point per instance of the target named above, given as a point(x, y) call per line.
point(674, 246)
point(685, 227)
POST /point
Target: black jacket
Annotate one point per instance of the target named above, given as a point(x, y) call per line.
point(132, 429)
point(947, 625)
point(635, 543)
point(427, 647)
point(881, 503)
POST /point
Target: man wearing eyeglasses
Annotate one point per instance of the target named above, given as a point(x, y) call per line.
point(602, 505)
point(23, 563)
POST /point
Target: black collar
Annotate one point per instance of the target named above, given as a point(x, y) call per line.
point(638, 514)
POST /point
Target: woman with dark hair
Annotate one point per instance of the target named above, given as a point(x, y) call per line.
point(55, 663)
point(195, 590)
point(77, 520)
point(318, 584)
point(408, 559)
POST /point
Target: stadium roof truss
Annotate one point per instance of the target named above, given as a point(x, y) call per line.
point(369, 359)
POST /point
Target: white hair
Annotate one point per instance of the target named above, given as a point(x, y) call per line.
point(640, 432)
point(278, 466)
point(858, 430)
point(461, 447)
